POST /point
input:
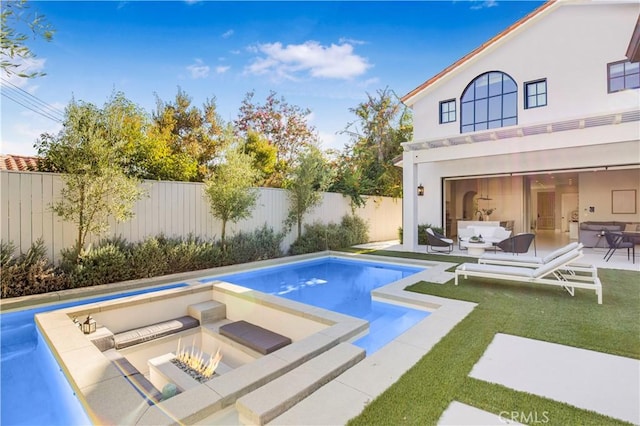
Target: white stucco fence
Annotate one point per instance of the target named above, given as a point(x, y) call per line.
point(170, 208)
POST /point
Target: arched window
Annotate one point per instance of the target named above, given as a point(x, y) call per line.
point(488, 102)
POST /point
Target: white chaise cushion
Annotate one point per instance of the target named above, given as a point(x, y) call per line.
point(496, 269)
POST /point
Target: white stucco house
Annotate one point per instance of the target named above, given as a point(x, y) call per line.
point(541, 124)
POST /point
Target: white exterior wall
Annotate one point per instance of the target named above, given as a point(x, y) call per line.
point(574, 62)
point(569, 44)
point(175, 209)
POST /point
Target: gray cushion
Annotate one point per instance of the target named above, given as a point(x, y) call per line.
point(154, 331)
point(255, 337)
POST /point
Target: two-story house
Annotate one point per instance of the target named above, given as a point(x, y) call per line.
point(539, 126)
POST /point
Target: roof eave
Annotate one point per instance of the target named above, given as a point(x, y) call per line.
point(410, 98)
point(633, 51)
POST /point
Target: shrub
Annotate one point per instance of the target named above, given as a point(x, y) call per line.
point(148, 259)
point(106, 263)
point(261, 244)
point(29, 273)
point(422, 232)
point(356, 230)
point(115, 259)
point(317, 236)
point(186, 255)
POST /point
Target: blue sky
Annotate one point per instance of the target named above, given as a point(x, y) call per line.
point(325, 56)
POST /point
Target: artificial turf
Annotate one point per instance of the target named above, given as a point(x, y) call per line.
point(540, 312)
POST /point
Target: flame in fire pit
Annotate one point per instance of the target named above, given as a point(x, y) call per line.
point(195, 360)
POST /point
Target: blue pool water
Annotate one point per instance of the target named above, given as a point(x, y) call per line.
point(341, 286)
point(33, 389)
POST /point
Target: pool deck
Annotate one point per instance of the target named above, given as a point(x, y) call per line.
point(345, 396)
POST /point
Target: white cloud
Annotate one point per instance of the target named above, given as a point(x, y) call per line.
point(227, 34)
point(19, 137)
point(26, 66)
point(198, 69)
point(370, 82)
point(221, 69)
point(344, 40)
point(332, 140)
point(483, 4)
point(334, 61)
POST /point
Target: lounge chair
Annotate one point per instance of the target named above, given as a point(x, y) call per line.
point(556, 272)
point(527, 261)
point(435, 239)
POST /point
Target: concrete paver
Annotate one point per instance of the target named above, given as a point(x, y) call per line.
point(591, 380)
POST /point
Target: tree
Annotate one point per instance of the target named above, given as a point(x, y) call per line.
point(350, 180)
point(86, 152)
point(264, 157)
point(191, 134)
point(382, 124)
point(15, 52)
point(284, 126)
point(229, 186)
point(305, 184)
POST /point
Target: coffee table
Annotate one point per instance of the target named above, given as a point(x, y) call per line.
point(476, 249)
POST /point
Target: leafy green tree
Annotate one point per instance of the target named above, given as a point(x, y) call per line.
point(382, 124)
point(191, 134)
point(305, 184)
point(283, 125)
point(14, 52)
point(86, 151)
point(350, 181)
point(264, 157)
point(229, 187)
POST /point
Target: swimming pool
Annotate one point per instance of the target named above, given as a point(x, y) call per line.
point(339, 285)
point(34, 390)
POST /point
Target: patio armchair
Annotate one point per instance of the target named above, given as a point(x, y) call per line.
point(435, 239)
point(616, 240)
point(519, 243)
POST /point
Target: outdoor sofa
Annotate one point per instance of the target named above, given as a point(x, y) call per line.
point(592, 232)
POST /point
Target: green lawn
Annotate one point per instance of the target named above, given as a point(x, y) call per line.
point(540, 312)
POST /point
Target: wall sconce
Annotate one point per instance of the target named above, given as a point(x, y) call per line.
point(420, 190)
point(89, 325)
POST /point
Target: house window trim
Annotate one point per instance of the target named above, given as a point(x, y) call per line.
point(622, 61)
point(455, 111)
point(502, 118)
point(526, 93)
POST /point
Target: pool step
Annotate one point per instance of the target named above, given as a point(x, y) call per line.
point(268, 402)
point(13, 351)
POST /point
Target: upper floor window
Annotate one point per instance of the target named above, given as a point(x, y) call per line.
point(623, 75)
point(488, 102)
point(535, 94)
point(448, 111)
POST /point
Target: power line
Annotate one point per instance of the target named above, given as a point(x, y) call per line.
point(37, 111)
point(31, 102)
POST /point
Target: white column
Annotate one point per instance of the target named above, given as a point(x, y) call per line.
point(409, 202)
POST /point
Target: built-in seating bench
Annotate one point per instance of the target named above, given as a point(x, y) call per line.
point(255, 337)
point(105, 340)
point(154, 331)
point(131, 373)
point(274, 398)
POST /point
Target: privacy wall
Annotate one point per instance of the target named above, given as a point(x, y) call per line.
point(175, 209)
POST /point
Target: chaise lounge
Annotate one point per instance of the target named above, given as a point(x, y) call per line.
point(557, 272)
point(527, 261)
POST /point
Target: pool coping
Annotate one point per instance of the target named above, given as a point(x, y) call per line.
point(365, 380)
